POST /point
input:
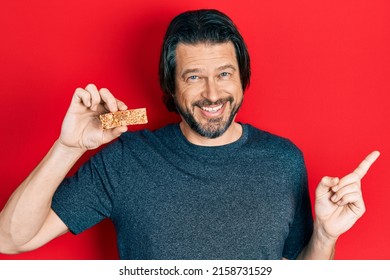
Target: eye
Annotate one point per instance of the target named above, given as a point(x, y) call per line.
point(225, 74)
point(193, 79)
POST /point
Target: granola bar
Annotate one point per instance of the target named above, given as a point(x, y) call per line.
point(120, 118)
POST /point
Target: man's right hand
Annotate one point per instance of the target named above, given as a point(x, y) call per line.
point(81, 128)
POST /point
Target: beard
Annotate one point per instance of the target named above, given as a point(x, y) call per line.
point(214, 127)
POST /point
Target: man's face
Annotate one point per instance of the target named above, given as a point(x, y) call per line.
point(208, 87)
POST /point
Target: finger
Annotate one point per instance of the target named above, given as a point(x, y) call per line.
point(325, 185)
point(103, 108)
point(121, 105)
point(111, 134)
point(109, 100)
point(354, 187)
point(347, 180)
point(95, 96)
point(81, 95)
point(355, 201)
point(363, 167)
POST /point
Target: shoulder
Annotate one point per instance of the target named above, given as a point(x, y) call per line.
point(274, 148)
point(146, 133)
point(271, 141)
point(147, 137)
point(140, 140)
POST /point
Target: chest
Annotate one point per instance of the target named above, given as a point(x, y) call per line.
point(228, 210)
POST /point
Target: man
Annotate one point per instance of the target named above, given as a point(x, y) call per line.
point(206, 188)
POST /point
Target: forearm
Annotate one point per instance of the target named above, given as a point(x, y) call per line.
point(29, 205)
point(319, 247)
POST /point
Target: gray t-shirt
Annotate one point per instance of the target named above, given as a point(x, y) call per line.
point(170, 199)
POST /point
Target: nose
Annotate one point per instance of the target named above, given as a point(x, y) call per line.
point(211, 91)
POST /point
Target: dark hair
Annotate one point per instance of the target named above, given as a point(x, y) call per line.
point(200, 26)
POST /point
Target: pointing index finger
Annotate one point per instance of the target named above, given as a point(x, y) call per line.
point(363, 167)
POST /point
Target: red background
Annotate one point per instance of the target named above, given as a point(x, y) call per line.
point(320, 77)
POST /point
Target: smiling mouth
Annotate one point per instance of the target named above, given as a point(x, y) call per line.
point(213, 109)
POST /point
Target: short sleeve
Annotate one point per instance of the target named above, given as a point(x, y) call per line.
point(301, 228)
point(85, 199)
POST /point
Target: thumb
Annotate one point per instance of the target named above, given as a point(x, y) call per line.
point(326, 184)
point(111, 134)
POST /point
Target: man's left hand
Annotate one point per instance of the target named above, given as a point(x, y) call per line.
point(339, 202)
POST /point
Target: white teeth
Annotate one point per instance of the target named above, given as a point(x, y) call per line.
point(212, 109)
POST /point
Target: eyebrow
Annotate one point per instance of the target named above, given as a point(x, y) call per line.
point(190, 70)
point(199, 70)
point(227, 66)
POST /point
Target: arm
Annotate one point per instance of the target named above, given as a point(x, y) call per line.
point(27, 221)
point(339, 204)
point(29, 206)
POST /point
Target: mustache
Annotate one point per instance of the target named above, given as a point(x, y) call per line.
point(206, 102)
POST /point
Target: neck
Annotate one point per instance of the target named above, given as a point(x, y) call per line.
point(232, 134)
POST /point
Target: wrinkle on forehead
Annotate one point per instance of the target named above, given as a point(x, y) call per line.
point(205, 56)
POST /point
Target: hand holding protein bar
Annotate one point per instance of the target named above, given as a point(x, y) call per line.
point(95, 117)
